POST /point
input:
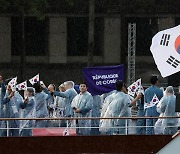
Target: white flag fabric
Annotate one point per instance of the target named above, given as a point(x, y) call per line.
point(153, 102)
point(165, 49)
point(136, 87)
point(34, 80)
point(22, 86)
point(132, 89)
point(138, 83)
point(13, 83)
point(140, 88)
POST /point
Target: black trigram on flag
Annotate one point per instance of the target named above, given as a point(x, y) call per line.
point(165, 39)
point(173, 62)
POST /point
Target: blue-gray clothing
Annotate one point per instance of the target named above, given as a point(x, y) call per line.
point(103, 96)
point(2, 94)
point(119, 107)
point(49, 98)
point(69, 95)
point(84, 102)
point(28, 112)
point(12, 111)
point(148, 95)
point(140, 113)
point(41, 110)
point(105, 105)
point(96, 113)
point(59, 110)
point(2, 108)
point(50, 102)
point(60, 105)
point(168, 109)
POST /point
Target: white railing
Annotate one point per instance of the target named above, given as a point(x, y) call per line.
point(69, 120)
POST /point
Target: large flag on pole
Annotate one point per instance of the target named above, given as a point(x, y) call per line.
point(102, 79)
point(165, 49)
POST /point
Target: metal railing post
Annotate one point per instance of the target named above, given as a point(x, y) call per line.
point(67, 123)
point(7, 128)
point(126, 127)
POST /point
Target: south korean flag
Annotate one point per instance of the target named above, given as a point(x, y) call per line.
point(34, 80)
point(165, 49)
point(13, 83)
point(153, 102)
point(132, 89)
point(22, 86)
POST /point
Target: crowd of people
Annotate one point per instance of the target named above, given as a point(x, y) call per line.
point(69, 100)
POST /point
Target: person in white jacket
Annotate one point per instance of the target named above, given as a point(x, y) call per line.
point(167, 107)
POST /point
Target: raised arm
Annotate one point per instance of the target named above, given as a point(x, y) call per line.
point(135, 100)
point(65, 94)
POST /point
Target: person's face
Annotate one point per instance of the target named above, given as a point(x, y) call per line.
point(26, 94)
point(62, 89)
point(9, 89)
point(83, 88)
point(1, 78)
point(66, 86)
point(50, 88)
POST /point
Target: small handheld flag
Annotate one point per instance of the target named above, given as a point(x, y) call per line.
point(13, 83)
point(153, 102)
point(132, 89)
point(22, 86)
point(136, 87)
point(34, 80)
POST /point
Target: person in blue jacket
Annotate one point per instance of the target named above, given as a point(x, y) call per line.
point(140, 113)
point(41, 110)
point(96, 113)
point(12, 100)
point(82, 106)
point(69, 95)
point(28, 107)
point(2, 108)
point(151, 112)
point(50, 97)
